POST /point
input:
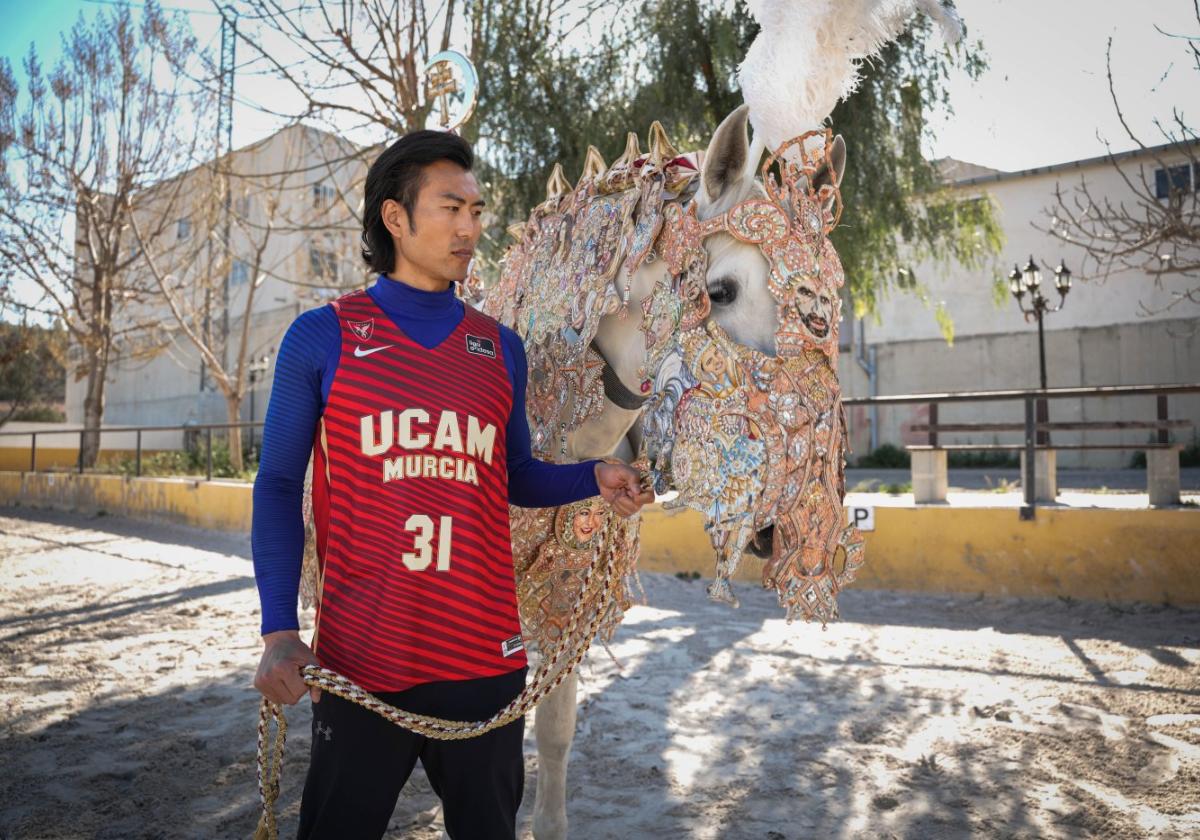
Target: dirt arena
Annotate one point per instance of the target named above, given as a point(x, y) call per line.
point(128, 651)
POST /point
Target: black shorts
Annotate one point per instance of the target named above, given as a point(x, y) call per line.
point(360, 762)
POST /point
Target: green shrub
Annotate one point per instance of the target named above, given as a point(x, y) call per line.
point(886, 456)
point(1189, 456)
point(191, 461)
point(969, 459)
point(39, 414)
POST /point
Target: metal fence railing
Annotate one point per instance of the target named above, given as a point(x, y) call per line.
point(1032, 428)
point(205, 429)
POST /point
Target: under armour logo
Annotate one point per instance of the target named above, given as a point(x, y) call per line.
point(327, 731)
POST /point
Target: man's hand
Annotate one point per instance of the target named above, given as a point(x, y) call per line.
point(621, 487)
point(278, 676)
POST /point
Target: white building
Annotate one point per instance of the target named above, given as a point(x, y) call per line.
point(1118, 331)
point(293, 209)
point(307, 185)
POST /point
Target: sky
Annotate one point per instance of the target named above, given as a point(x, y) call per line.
point(1044, 99)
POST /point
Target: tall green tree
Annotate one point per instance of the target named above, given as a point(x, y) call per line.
point(31, 367)
point(676, 62)
point(899, 211)
point(551, 84)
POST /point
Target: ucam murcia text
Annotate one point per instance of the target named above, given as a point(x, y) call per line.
point(410, 430)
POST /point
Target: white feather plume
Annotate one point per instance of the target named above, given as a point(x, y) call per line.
point(808, 53)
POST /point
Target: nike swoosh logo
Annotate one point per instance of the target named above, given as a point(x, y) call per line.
point(359, 352)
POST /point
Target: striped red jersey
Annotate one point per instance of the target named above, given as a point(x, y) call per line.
point(410, 500)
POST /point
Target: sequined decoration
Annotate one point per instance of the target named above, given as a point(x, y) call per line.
point(747, 439)
point(751, 440)
point(568, 269)
point(552, 550)
point(556, 284)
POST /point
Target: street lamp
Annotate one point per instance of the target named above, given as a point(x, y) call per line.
point(1028, 281)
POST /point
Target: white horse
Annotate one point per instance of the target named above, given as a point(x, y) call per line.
point(741, 304)
point(804, 60)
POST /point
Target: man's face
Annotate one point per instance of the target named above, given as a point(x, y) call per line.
point(816, 308)
point(447, 224)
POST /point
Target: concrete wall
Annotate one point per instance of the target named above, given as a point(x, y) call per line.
point(220, 505)
point(1117, 555)
point(1093, 553)
point(1144, 353)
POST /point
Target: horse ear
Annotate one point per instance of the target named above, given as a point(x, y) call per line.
point(724, 169)
point(831, 173)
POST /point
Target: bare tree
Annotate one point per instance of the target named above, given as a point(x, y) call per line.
point(358, 66)
point(115, 115)
point(1155, 230)
point(265, 213)
point(359, 59)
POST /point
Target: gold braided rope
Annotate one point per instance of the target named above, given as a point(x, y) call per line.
point(545, 680)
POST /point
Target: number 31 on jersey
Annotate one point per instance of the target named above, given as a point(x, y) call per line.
point(421, 556)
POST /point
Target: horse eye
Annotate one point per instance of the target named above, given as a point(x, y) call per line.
point(723, 292)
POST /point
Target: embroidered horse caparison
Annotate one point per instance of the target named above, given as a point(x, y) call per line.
point(749, 439)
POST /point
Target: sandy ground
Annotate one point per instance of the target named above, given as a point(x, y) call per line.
point(128, 651)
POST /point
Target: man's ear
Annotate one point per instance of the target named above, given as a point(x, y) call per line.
point(395, 218)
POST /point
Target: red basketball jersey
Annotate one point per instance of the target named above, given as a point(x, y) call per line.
point(410, 500)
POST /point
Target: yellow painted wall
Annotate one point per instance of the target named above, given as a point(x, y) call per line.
point(14, 458)
point(1094, 553)
point(221, 505)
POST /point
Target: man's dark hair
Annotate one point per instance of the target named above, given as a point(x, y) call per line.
point(398, 174)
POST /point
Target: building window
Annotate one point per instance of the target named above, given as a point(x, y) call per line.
point(239, 273)
point(322, 196)
point(183, 229)
point(1177, 178)
point(242, 206)
point(324, 264)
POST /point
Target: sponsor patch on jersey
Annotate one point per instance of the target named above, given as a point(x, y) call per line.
point(362, 329)
point(510, 646)
point(481, 346)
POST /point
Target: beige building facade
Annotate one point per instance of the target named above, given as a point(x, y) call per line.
point(293, 238)
point(305, 185)
point(1119, 330)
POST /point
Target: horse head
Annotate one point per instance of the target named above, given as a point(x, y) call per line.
point(737, 275)
point(746, 421)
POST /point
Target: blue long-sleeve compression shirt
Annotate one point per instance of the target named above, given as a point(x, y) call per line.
point(304, 370)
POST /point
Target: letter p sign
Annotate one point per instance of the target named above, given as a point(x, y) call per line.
point(862, 518)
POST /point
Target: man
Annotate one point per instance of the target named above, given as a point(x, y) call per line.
point(413, 407)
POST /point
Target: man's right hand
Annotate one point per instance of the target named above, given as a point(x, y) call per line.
point(278, 676)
